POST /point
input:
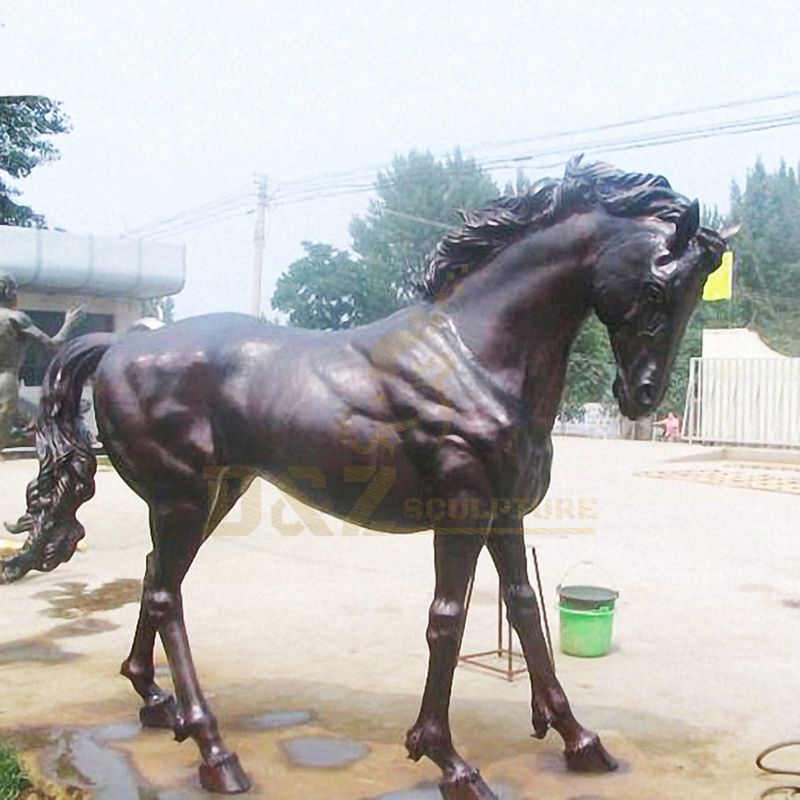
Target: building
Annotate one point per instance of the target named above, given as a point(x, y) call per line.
point(110, 277)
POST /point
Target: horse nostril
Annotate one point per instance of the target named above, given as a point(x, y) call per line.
point(646, 395)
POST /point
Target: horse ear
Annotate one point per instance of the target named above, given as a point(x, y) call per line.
point(685, 228)
point(729, 231)
point(572, 165)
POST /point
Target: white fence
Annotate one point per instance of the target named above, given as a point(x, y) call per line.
point(753, 401)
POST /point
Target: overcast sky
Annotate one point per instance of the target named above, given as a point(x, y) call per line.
point(175, 104)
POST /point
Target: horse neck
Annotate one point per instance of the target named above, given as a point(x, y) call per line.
point(520, 314)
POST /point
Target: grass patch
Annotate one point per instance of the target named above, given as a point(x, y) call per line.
point(13, 778)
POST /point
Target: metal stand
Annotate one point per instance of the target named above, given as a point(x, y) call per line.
point(502, 652)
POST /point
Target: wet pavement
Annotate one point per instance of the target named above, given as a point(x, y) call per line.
point(72, 599)
point(279, 719)
point(319, 752)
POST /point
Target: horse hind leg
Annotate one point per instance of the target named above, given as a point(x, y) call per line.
point(159, 709)
point(178, 530)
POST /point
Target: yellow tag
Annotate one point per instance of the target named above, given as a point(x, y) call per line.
point(719, 285)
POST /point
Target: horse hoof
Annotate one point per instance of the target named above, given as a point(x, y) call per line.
point(161, 714)
point(590, 756)
point(466, 787)
point(227, 777)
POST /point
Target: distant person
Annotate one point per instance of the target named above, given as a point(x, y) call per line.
point(672, 427)
point(17, 332)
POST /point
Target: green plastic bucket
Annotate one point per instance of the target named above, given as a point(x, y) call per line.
point(586, 616)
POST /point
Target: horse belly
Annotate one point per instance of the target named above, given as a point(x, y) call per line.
point(381, 496)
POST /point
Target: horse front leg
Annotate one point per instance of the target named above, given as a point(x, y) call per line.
point(456, 555)
point(583, 750)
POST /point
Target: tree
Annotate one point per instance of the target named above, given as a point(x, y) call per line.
point(330, 290)
point(418, 202)
point(25, 123)
point(418, 199)
point(590, 371)
point(767, 286)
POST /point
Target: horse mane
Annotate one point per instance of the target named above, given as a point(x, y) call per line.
point(489, 230)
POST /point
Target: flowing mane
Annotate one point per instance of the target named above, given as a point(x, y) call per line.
point(488, 231)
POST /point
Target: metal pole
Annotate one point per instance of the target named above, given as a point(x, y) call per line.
point(258, 251)
point(510, 672)
point(500, 619)
point(543, 610)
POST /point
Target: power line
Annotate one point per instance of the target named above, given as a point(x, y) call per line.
point(357, 173)
point(339, 184)
point(611, 146)
point(201, 222)
point(205, 208)
point(644, 119)
point(748, 125)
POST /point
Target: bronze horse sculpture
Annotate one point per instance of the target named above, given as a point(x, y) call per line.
point(443, 411)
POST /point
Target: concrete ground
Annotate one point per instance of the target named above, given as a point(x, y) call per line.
point(702, 676)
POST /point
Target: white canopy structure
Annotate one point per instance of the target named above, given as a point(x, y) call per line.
point(44, 261)
point(742, 392)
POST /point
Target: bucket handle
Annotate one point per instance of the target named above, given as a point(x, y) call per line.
point(612, 583)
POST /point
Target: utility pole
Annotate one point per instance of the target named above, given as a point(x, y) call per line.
point(258, 250)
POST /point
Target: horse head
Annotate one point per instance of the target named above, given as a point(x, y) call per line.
point(647, 282)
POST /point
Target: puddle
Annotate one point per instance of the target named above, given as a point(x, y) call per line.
point(80, 759)
point(430, 791)
point(71, 600)
point(588, 797)
point(278, 719)
point(38, 649)
point(44, 650)
point(323, 752)
point(82, 627)
point(116, 731)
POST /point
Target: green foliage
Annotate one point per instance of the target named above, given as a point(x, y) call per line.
point(25, 122)
point(418, 198)
point(13, 779)
point(330, 290)
point(767, 266)
point(590, 371)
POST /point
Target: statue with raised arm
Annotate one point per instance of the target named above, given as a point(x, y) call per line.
point(17, 332)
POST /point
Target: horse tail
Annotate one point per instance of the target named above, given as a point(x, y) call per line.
point(67, 462)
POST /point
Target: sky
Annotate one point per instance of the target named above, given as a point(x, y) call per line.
point(177, 104)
